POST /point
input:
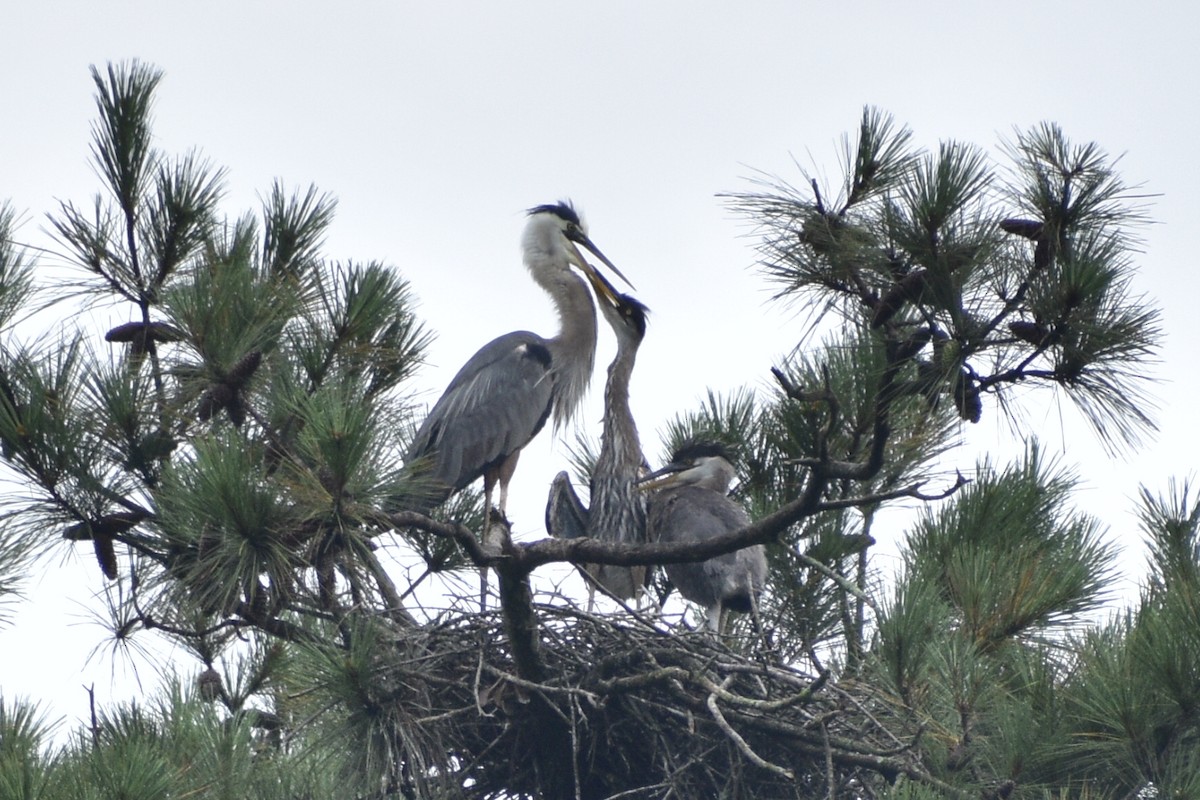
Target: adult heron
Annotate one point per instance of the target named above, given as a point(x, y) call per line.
point(691, 504)
point(503, 395)
point(618, 508)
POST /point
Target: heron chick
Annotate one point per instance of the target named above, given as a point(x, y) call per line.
point(691, 504)
point(618, 508)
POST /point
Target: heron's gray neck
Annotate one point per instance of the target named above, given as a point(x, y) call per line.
point(620, 429)
point(573, 350)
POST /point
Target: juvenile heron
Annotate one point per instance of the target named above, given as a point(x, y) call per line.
point(618, 507)
point(691, 505)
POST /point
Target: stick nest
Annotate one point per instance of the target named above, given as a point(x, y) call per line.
point(637, 710)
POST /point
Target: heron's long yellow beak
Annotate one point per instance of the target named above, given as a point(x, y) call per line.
point(604, 290)
point(662, 478)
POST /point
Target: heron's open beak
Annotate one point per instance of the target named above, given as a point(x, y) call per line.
point(605, 291)
point(579, 237)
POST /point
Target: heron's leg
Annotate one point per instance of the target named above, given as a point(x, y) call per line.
point(713, 615)
point(764, 637)
point(755, 620)
point(499, 475)
point(589, 578)
point(641, 579)
point(504, 474)
point(489, 482)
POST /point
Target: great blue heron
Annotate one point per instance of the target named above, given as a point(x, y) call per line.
point(504, 394)
point(618, 507)
point(691, 505)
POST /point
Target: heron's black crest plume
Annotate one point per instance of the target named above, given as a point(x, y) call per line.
point(562, 209)
point(635, 310)
point(702, 448)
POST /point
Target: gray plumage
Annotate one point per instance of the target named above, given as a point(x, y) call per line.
point(493, 407)
point(502, 396)
point(691, 505)
point(618, 506)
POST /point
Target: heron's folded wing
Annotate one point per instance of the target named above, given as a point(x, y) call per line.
point(494, 406)
point(566, 517)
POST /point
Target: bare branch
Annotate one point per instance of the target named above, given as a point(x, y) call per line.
point(733, 735)
point(912, 491)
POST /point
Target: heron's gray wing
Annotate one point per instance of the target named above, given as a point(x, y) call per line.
point(694, 514)
point(496, 403)
point(566, 517)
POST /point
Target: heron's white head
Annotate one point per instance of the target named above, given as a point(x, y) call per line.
point(703, 464)
point(549, 245)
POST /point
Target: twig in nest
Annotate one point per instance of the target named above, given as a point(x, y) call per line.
point(736, 738)
point(723, 692)
point(830, 775)
point(532, 686)
point(575, 714)
point(871, 718)
point(479, 688)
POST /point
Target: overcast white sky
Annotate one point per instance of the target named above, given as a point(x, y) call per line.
point(437, 124)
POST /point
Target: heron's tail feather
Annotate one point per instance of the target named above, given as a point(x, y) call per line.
point(623, 582)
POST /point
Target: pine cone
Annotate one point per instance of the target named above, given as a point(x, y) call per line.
point(910, 347)
point(910, 289)
point(236, 410)
point(105, 555)
point(967, 399)
point(1034, 333)
point(1028, 228)
point(209, 685)
point(242, 371)
point(215, 398)
point(140, 331)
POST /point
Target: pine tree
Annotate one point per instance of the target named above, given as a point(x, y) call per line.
point(231, 455)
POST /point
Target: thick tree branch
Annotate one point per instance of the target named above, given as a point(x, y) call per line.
point(527, 557)
point(592, 551)
point(394, 604)
point(553, 743)
point(451, 530)
point(275, 626)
